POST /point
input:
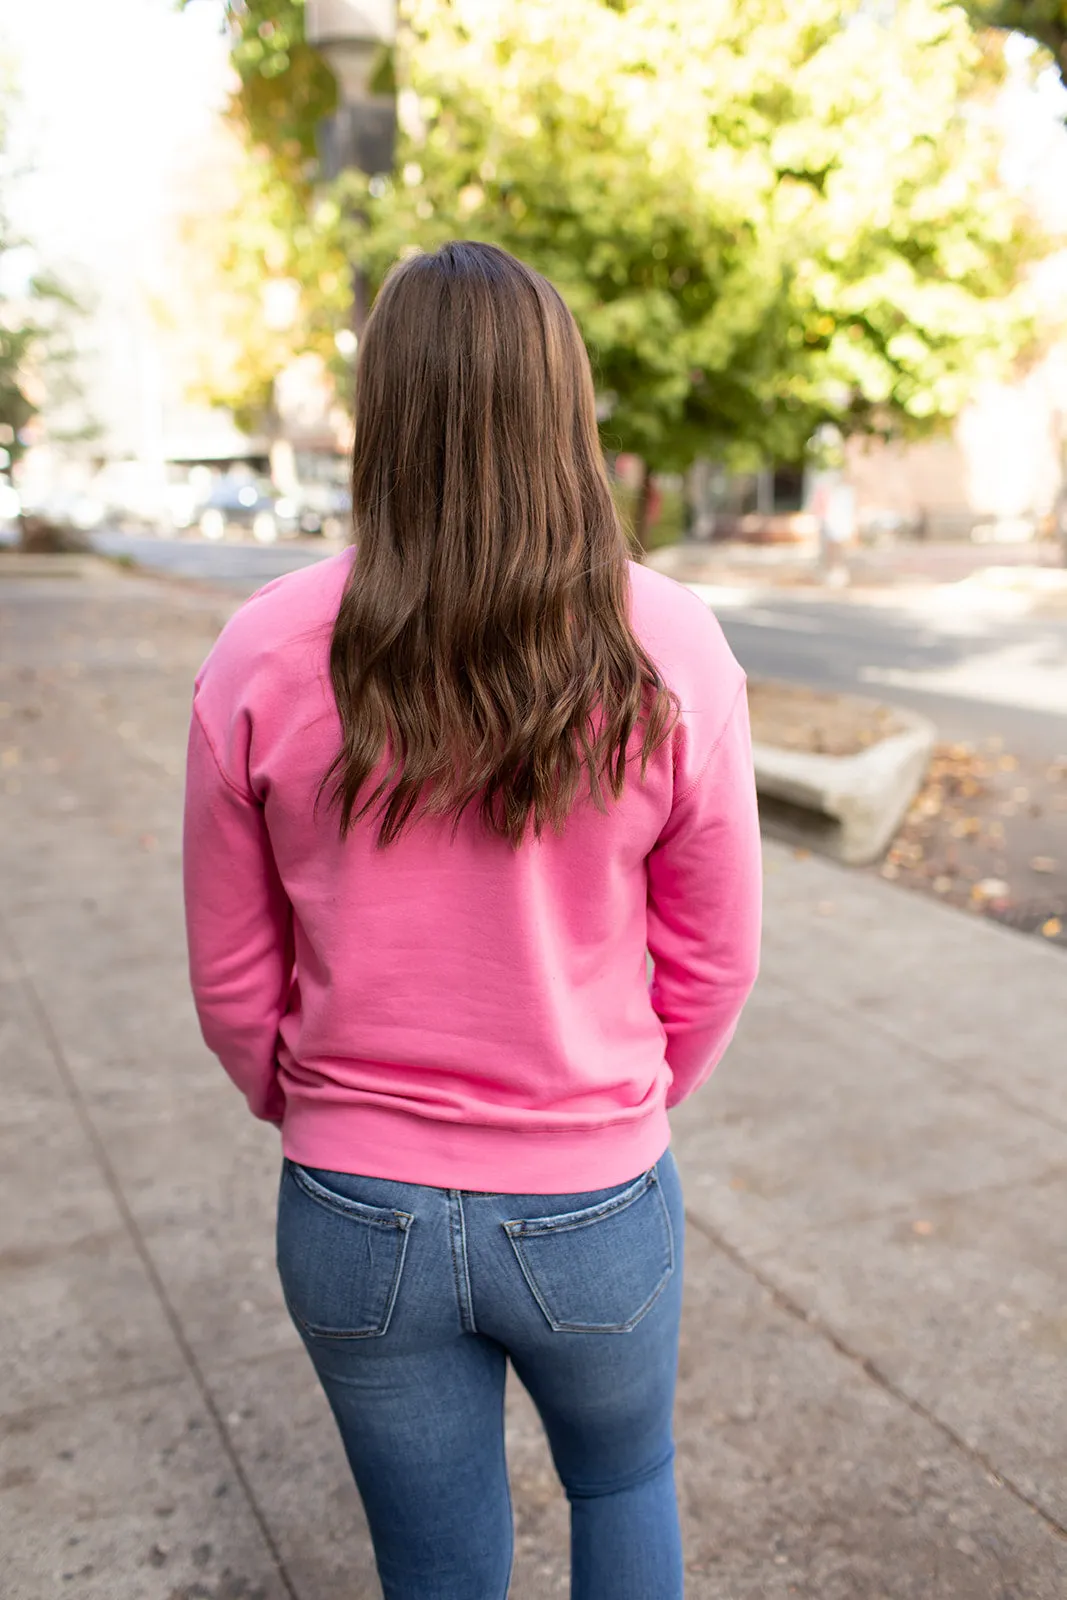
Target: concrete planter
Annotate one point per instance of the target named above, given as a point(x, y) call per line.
point(847, 807)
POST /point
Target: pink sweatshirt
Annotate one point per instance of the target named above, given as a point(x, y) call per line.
point(455, 1012)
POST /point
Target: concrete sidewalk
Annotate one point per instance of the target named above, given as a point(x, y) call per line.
point(873, 1400)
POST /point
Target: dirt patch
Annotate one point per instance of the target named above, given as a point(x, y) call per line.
point(816, 721)
point(988, 832)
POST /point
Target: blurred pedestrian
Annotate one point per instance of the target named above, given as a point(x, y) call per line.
point(444, 790)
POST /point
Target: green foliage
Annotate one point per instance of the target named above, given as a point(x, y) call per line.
point(283, 233)
point(764, 217)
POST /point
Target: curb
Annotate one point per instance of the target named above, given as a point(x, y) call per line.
point(846, 807)
point(62, 564)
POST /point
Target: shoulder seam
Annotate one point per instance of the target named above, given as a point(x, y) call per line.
point(706, 763)
point(249, 799)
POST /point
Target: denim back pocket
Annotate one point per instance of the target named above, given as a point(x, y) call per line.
point(339, 1260)
point(601, 1269)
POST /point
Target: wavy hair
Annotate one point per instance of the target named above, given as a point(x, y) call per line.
point(483, 643)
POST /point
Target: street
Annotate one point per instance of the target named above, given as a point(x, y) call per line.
point(977, 675)
point(242, 568)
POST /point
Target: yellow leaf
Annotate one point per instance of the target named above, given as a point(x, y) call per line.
point(1052, 928)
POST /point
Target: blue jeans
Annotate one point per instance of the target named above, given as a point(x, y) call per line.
point(412, 1300)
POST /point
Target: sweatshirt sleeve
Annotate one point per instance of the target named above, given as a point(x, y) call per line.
point(239, 926)
point(704, 907)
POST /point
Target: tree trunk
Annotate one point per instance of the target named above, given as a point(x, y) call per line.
point(641, 508)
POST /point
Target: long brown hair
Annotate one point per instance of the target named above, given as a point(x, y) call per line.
point(483, 639)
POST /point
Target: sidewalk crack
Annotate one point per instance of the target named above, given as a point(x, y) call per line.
point(811, 1320)
point(144, 1255)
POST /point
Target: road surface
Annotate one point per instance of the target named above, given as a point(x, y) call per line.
point(976, 675)
point(240, 567)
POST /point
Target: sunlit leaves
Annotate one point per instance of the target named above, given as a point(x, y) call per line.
point(764, 216)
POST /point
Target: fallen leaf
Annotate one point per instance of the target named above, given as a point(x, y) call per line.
point(990, 889)
point(1008, 764)
point(1052, 928)
point(1043, 864)
point(801, 855)
point(923, 1229)
point(942, 884)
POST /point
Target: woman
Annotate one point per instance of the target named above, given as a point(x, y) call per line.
point(444, 790)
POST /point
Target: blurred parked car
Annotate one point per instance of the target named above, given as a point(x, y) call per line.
point(238, 506)
point(324, 509)
point(322, 492)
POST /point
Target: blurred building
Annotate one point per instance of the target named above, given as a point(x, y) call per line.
point(996, 476)
point(999, 472)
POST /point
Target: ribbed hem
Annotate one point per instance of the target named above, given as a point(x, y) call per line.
point(379, 1142)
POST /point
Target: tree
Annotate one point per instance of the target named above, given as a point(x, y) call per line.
point(765, 218)
point(36, 357)
point(1044, 21)
point(271, 262)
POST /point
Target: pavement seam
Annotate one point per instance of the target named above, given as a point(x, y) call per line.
point(144, 1255)
point(811, 1320)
